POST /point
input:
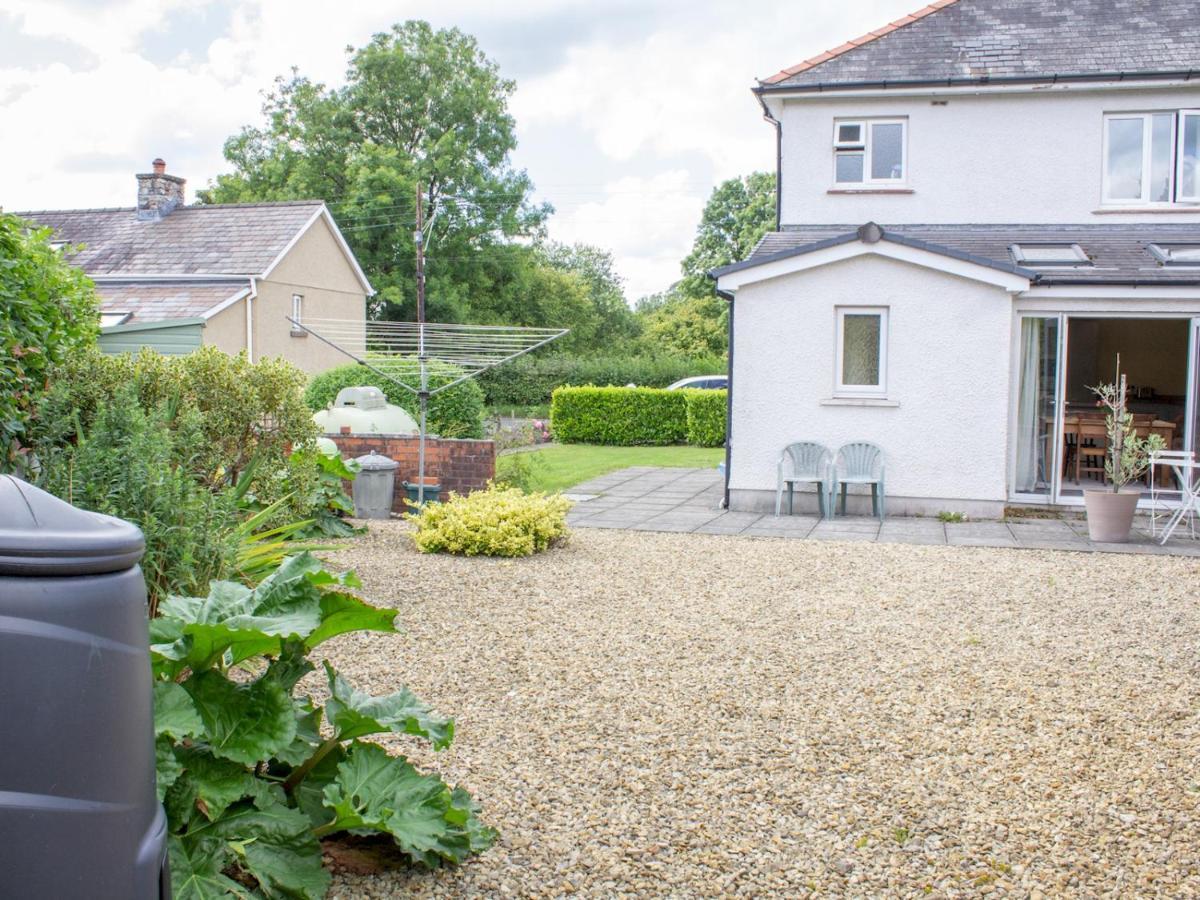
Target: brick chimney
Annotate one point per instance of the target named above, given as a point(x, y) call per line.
point(158, 192)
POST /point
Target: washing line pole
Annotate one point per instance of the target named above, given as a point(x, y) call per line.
point(423, 393)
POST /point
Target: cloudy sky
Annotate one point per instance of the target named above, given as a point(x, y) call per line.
point(628, 113)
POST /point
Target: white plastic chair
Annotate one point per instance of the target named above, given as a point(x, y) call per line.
point(804, 463)
point(859, 463)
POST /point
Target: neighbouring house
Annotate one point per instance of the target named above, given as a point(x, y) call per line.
point(174, 277)
point(979, 206)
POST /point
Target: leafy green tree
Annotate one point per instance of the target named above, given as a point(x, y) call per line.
point(48, 310)
point(685, 326)
point(613, 323)
point(419, 106)
point(737, 215)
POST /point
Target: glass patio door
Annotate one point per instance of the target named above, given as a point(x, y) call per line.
point(1038, 425)
point(1191, 438)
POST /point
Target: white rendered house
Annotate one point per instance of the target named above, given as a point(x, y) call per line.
point(1034, 170)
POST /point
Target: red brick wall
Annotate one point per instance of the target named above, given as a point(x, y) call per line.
point(460, 466)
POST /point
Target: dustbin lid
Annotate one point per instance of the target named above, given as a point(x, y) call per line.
point(375, 462)
point(42, 535)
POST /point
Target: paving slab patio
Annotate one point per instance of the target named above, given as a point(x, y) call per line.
point(686, 500)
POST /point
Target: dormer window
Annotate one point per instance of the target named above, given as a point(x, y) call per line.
point(1176, 254)
point(869, 152)
point(110, 319)
point(1038, 255)
point(1151, 158)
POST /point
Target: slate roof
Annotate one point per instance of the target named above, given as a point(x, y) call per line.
point(157, 301)
point(1118, 253)
point(981, 40)
point(221, 239)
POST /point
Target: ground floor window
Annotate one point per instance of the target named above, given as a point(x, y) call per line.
point(1060, 438)
point(861, 351)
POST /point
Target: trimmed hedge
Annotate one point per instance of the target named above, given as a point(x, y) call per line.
point(530, 380)
point(454, 413)
point(617, 415)
point(706, 418)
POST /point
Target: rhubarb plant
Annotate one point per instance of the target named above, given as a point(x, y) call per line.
point(253, 774)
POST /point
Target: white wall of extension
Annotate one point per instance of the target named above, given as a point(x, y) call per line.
point(1033, 156)
point(948, 376)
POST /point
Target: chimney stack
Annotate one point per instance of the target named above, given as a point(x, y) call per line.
point(158, 192)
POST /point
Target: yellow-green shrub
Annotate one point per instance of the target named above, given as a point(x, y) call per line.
point(497, 522)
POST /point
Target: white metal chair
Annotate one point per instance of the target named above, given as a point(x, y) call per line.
point(1185, 472)
point(804, 463)
point(859, 463)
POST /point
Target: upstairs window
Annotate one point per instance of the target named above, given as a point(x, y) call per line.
point(869, 152)
point(1151, 158)
point(1037, 255)
point(297, 308)
point(1176, 254)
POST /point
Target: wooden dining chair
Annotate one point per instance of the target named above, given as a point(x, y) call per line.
point(1091, 448)
point(1070, 442)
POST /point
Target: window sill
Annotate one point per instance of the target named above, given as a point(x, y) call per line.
point(1141, 210)
point(870, 190)
point(860, 401)
point(299, 332)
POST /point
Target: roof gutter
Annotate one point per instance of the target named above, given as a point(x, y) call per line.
point(778, 165)
point(982, 80)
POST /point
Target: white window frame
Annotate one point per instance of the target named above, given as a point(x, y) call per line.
point(298, 308)
point(860, 390)
point(1147, 118)
point(1073, 255)
point(864, 147)
point(1180, 131)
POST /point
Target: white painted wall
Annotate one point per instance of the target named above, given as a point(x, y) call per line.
point(948, 368)
point(1029, 157)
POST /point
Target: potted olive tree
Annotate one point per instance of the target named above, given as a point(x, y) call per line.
point(1110, 511)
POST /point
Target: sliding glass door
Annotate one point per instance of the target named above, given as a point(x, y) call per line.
point(1037, 408)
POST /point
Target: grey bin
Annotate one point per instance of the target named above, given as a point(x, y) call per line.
point(374, 486)
point(79, 815)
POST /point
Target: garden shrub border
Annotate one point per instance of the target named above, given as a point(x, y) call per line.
point(633, 416)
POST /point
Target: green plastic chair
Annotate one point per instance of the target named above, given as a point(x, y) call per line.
point(859, 463)
point(804, 463)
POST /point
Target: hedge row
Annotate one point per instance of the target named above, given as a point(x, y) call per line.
point(530, 380)
point(630, 416)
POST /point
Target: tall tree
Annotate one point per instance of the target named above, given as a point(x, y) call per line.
point(419, 106)
point(738, 213)
point(613, 322)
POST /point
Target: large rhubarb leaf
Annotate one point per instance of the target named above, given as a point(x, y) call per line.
point(276, 845)
point(246, 723)
point(354, 714)
point(298, 601)
point(196, 871)
point(174, 712)
point(385, 793)
point(167, 768)
point(213, 784)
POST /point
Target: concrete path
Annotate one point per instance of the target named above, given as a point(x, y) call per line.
point(688, 500)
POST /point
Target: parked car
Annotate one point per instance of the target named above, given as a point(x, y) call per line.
point(702, 382)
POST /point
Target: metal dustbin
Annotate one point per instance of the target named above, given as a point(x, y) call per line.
point(79, 814)
point(374, 486)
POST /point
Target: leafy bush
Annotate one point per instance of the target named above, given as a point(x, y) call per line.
point(454, 413)
point(48, 311)
point(325, 498)
point(246, 411)
point(135, 464)
point(530, 380)
point(614, 415)
point(253, 776)
point(706, 417)
point(497, 522)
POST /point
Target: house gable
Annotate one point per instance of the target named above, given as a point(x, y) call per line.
point(871, 240)
point(318, 256)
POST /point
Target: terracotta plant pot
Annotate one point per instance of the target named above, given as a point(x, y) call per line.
point(1109, 515)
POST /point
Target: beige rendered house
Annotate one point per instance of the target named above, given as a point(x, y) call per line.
point(175, 277)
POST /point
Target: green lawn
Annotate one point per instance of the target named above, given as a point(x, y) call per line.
point(559, 466)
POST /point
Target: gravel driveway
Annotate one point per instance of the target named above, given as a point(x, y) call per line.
point(687, 715)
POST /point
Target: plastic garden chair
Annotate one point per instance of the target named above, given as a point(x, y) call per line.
point(804, 463)
point(859, 463)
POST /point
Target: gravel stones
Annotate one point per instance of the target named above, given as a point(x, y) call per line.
point(689, 715)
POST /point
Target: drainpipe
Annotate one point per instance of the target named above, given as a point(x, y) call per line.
point(250, 319)
point(778, 161)
point(728, 402)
